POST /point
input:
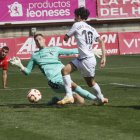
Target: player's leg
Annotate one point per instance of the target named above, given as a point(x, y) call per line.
point(88, 72)
point(67, 84)
point(78, 99)
point(74, 65)
point(82, 92)
point(57, 86)
point(96, 90)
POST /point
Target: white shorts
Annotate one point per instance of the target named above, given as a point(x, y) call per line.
point(86, 66)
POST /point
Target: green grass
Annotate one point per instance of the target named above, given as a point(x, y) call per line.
point(118, 120)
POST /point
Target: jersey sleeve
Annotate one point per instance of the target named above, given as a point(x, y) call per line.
point(96, 35)
point(72, 30)
point(62, 51)
point(29, 66)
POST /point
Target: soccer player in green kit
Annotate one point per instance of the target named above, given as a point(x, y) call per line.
point(47, 58)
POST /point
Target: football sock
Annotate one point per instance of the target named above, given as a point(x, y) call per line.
point(84, 93)
point(97, 92)
point(67, 84)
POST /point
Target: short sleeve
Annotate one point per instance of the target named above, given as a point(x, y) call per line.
point(96, 35)
point(72, 30)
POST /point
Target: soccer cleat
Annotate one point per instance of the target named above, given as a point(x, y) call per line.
point(99, 102)
point(66, 100)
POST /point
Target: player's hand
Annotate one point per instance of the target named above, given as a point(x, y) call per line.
point(17, 62)
point(102, 63)
point(97, 52)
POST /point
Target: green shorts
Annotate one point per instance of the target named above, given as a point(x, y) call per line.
point(57, 84)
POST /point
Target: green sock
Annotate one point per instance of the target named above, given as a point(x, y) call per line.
point(84, 93)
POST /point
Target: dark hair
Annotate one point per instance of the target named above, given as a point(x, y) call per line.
point(82, 12)
point(36, 35)
point(6, 48)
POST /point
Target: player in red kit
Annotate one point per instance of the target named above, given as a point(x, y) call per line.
point(4, 64)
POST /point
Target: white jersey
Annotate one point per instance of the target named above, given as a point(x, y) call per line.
point(85, 36)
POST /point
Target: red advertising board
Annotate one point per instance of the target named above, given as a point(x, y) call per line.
point(116, 9)
point(110, 39)
point(111, 43)
point(116, 43)
point(129, 43)
point(58, 41)
point(23, 47)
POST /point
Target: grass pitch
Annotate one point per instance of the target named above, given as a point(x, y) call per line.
point(118, 120)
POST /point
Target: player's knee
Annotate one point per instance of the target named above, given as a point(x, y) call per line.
point(78, 99)
point(64, 71)
point(74, 85)
point(89, 84)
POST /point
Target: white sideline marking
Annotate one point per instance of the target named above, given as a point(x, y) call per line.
point(38, 72)
point(117, 84)
point(120, 68)
point(23, 88)
point(124, 85)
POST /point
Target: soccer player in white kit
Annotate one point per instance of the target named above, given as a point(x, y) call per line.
point(85, 36)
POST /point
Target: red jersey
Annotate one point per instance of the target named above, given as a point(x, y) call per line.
point(4, 63)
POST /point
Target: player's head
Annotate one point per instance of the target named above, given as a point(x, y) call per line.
point(40, 41)
point(4, 51)
point(81, 14)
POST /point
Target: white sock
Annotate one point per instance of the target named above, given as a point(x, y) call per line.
point(67, 84)
point(98, 92)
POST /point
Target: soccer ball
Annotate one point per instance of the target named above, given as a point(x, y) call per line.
point(34, 95)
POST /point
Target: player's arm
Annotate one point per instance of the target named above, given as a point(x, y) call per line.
point(103, 57)
point(97, 52)
point(17, 62)
point(67, 51)
point(70, 33)
point(26, 70)
point(4, 78)
point(66, 37)
point(29, 66)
